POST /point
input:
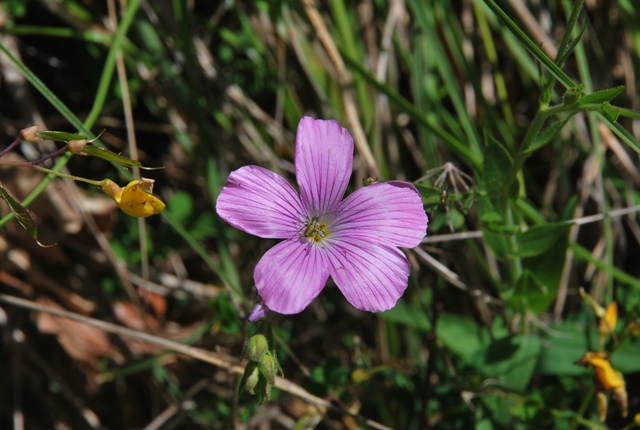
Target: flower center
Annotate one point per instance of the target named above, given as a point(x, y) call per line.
point(315, 230)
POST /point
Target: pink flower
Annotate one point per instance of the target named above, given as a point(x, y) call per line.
point(355, 240)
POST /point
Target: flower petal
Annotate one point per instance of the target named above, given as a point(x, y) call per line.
point(373, 277)
point(290, 275)
point(390, 212)
point(323, 159)
point(260, 202)
point(259, 311)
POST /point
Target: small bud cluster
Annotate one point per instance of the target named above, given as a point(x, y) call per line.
point(263, 367)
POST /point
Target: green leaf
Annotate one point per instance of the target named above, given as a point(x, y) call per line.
point(22, 214)
point(497, 162)
point(538, 239)
point(547, 134)
point(601, 96)
point(62, 136)
point(566, 342)
point(512, 360)
point(462, 336)
point(411, 316)
point(547, 268)
point(528, 294)
point(563, 345)
point(611, 111)
point(491, 223)
point(105, 154)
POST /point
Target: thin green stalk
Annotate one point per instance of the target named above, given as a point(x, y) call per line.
point(467, 154)
point(492, 54)
point(585, 76)
point(532, 132)
point(64, 110)
point(62, 32)
point(564, 48)
point(52, 172)
point(553, 68)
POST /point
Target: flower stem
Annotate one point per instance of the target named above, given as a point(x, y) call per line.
point(51, 172)
point(54, 154)
point(10, 147)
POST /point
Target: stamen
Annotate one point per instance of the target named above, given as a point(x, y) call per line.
point(315, 229)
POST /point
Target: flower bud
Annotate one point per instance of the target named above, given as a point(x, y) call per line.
point(30, 134)
point(259, 311)
point(269, 367)
point(571, 96)
point(77, 146)
point(257, 346)
point(607, 324)
point(595, 307)
point(251, 378)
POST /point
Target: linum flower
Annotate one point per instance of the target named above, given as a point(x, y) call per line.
point(355, 240)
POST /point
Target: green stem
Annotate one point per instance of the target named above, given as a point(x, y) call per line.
point(532, 133)
point(64, 110)
point(52, 172)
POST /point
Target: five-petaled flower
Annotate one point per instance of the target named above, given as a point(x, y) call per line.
point(355, 240)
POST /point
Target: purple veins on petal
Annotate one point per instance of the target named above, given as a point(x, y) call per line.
point(372, 278)
point(389, 213)
point(290, 275)
point(260, 202)
point(323, 159)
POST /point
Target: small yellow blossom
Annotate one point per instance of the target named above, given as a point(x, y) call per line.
point(607, 379)
point(136, 199)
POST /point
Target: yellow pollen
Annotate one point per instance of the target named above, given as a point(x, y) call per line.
point(315, 230)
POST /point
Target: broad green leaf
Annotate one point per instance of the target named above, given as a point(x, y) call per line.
point(601, 96)
point(538, 239)
point(497, 162)
point(491, 222)
point(105, 154)
point(22, 214)
point(547, 268)
point(528, 294)
point(461, 335)
point(564, 344)
point(62, 136)
point(411, 316)
point(511, 360)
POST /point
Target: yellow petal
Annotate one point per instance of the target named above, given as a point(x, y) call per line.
point(136, 199)
point(607, 324)
point(607, 378)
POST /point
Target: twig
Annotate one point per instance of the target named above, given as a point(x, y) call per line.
point(465, 235)
point(228, 363)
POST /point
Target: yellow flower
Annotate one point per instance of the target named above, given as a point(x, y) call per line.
point(607, 379)
point(136, 199)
